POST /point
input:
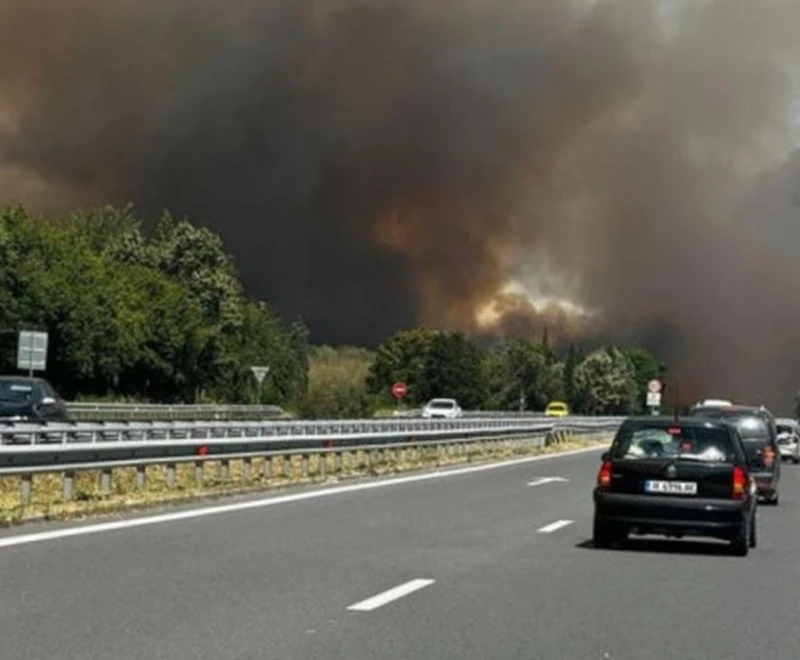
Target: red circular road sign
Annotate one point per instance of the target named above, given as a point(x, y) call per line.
point(399, 390)
point(654, 386)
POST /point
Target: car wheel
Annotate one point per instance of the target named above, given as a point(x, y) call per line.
point(753, 537)
point(795, 460)
point(740, 544)
point(604, 535)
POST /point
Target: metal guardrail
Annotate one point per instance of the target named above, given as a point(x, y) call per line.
point(201, 446)
point(90, 411)
point(34, 433)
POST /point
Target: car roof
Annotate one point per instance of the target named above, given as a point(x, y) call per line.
point(735, 409)
point(684, 422)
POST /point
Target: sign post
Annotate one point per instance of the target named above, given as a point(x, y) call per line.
point(399, 391)
point(32, 351)
point(654, 396)
point(260, 373)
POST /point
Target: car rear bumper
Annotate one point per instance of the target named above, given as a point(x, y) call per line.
point(666, 515)
point(766, 484)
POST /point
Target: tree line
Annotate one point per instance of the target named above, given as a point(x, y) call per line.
point(158, 316)
point(161, 315)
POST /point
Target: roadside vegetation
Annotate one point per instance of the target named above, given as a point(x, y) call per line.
point(162, 316)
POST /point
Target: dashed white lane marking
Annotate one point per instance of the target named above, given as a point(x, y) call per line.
point(390, 595)
point(553, 526)
point(51, 535)
point(547, 480)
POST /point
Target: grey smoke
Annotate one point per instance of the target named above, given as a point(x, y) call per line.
point(375, 164)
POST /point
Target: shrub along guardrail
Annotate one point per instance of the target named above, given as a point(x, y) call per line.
point(106, 448)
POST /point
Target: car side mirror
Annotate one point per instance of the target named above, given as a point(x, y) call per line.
point(48, 401)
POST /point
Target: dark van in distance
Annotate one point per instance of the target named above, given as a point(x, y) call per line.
point(757, 429)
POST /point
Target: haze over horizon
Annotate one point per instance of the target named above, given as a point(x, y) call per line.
point(615, 169)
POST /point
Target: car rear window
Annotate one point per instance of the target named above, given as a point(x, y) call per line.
point(676, 443)
point(783, 428)
point(442, 404)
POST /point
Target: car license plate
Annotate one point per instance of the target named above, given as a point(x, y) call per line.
point(671, 487)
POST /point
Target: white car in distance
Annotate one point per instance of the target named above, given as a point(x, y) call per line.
point(788, 439)
point(442, 409)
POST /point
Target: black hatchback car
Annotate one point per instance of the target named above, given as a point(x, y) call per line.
point(758, 431)
point(676, 478)
point(30, 399)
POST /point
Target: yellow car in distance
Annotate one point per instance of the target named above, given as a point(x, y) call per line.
point(557, 409)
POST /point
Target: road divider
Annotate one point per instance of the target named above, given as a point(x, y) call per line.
point(54, 481)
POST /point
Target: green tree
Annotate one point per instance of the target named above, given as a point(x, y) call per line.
point(646, 367)
point(453, 369)
point(605, 383)
point(432, 363)
point(574, 357)
point(403, 357)
point(516, 369)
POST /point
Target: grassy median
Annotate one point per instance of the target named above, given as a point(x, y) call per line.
point(47, 502)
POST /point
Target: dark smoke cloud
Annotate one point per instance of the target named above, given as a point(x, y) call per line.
point(377, 163)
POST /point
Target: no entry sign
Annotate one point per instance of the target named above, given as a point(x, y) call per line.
point(399, 390)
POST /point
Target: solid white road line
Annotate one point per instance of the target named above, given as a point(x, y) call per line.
point(22, 539)
point(547, 480)
point(552, 527)
point(392, 594)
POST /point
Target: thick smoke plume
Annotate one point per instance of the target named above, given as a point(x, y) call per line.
point(378, 163)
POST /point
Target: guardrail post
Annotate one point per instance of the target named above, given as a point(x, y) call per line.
point(247, 465)
point(68, 480)
point(322, 468)
point(171, 475)
point(198, 473)
point(223, 469)
point(105, 481)
point(338, 462)
point(25, 488)
point(141, 477)
point(287, 469)
point(267, 467)
point(305, 466)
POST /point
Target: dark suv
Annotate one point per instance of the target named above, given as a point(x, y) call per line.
point(756, 427)
point(676, 478)
point(31, 400)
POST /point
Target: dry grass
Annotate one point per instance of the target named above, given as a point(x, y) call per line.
point(47, 500)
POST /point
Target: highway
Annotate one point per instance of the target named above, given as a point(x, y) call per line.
point(477, 564)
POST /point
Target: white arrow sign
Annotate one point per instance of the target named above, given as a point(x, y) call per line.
point(547, 480)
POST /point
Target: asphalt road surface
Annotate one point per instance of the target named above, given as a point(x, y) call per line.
point(478, 565)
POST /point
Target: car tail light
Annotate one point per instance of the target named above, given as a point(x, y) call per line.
point(739, 485)
point(769, 456)
point(604, 476)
